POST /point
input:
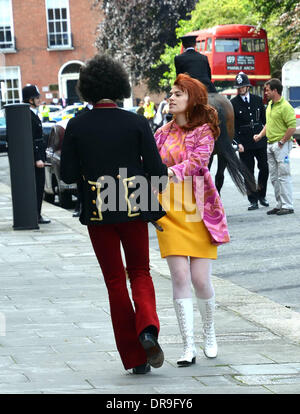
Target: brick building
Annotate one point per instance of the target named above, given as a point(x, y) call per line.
point(45, 42)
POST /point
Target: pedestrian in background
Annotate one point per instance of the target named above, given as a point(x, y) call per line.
point(31, 95)
point(279, 129)
point(194, 63)
point(149, 111)
point(140, 109)
point(196, 225)
point(250, 118)
point(160, 116)
point(109, 149)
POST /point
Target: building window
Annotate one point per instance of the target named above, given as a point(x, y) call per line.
point(11, 84)
point(58, 22)
point(6, 26)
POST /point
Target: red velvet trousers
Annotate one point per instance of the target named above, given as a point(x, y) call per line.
point(128, 319)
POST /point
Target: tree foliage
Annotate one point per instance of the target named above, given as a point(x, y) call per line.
point(280, 18)
point(207, 13)
point(136, 32)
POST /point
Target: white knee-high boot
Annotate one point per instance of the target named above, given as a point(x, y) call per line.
point(207, 307)
point(185, 316)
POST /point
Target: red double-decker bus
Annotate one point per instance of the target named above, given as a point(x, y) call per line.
point(232, 48)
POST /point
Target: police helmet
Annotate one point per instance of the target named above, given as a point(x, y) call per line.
point(30, 92)
point(241, 80)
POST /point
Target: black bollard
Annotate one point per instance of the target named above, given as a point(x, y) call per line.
point(21, 162)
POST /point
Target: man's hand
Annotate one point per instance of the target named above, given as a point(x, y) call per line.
point(257, 137)
point(39, 164)
point(241, 148)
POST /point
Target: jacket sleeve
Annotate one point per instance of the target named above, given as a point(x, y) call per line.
point(198, 157)
point(37, 138)
point(263, 112)
point(208, 68)
point(177, 65)
point(70, 171)
point(152, 163)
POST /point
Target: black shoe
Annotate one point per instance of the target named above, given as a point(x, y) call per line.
point(253, 206)
point(41, 220)
point(155, 355)
point(264, 202)
point(141, 369)
point(283, 211)
point(273, 211)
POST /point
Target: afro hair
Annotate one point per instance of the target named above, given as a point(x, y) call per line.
point(103, 78)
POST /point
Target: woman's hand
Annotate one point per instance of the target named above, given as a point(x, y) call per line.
point(170, 173)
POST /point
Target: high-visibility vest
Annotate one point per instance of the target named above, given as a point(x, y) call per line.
point(45, 111)
point(149, 111)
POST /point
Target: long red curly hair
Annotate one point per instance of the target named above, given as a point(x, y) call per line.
point(198, 111)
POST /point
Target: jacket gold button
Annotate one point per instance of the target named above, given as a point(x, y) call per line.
point(130, 184)
point(93, 188)
point(132, 195)
point(134, 208)
point(94, 213)
point(94, 201)
point(118, 176)
point(102, 178)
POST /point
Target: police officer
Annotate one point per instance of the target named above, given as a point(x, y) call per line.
point(250, 118)
point(31, 95)
point(194, 63)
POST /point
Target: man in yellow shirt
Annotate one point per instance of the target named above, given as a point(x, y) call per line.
point(279, 128)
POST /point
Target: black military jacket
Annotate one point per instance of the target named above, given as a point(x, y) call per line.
point(114, 152)
point(37, 136)
point(250, 119)
point(196, 65)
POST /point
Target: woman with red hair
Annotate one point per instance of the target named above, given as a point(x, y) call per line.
point(195, 223)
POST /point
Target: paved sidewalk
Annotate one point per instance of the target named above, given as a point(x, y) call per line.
point(58, 336)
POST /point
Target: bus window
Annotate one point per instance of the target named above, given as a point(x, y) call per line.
point(209, 44)
point(227, 45)
point(200, 45)
point(253, 45)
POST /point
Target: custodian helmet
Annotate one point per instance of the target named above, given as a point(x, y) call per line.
point(241, 80)
point(30, 92)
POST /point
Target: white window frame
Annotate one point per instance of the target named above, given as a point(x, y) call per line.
point(4, 78)
point(11, 24)
point(69, 45)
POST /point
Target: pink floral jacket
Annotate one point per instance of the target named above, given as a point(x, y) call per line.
point(199, 145)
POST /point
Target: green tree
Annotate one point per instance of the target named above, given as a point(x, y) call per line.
point(280, 18)
point(207, 13)
point(136, 31)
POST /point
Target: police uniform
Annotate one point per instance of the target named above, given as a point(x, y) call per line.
point(195, 64)
point(250, 119)
point(30, 92)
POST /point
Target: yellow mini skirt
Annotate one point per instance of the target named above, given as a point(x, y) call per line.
point(184, 232)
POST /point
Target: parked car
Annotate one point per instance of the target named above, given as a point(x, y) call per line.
point(3, 137)
point(66, 113)
point(297, 133)
point(54, 185)
point(3, 141)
